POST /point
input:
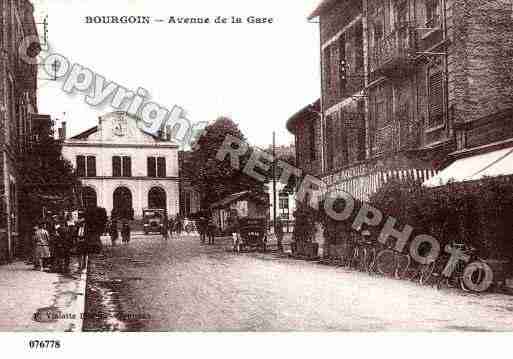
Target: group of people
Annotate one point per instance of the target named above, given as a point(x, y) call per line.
point(55, 240)
point(114, 231)
point(207, 229)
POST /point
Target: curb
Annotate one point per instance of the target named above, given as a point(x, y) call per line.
point(79, 306)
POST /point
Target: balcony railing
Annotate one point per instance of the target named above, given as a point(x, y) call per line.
point(395, 51)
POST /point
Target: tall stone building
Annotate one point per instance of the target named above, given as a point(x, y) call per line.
point(405, 84)
point(18, 85)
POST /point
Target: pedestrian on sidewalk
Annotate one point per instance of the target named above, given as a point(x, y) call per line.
point(66, 239)
point(113, 232)
point(42, 251)
point(81, 243)
point(125, 232)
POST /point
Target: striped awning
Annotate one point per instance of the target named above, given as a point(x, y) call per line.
point(491, 164)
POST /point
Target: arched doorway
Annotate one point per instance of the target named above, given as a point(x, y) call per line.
point(122, 204)
point(89, 198)
point(157, 198)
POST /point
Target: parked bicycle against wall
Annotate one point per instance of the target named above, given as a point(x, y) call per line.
point(392, 263)
point(364, 253)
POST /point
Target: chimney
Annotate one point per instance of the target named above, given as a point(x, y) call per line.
point(62, 131)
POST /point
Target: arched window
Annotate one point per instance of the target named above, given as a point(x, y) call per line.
point(122, 200)
point(157, 198)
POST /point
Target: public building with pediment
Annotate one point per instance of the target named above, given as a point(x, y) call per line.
point(123, 169)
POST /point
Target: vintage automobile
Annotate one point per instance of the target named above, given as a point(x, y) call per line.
point(153, 220)
point(253, 234)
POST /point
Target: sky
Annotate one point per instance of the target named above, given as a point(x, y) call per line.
point(257, 74)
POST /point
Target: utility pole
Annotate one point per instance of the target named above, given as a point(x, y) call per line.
point(280, 247)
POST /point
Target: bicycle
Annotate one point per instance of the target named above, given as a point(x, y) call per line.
point(477, 272)
point(392, 263)
point(364, 254)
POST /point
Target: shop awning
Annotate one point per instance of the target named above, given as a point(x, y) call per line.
point(491, 164)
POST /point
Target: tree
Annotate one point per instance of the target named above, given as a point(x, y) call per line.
point(48, 180)
point(218, 179)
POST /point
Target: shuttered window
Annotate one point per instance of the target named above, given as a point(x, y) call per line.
point(127, 166)
point(327, 68)
point(116, 166)
point(329, 142)
point(151, 167)
point(161, 167)
point(91, 166)
point(81, 166)
point(342, 62)
point(436, 99)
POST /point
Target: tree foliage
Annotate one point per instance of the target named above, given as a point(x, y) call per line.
point(48, 180)
point(218, 179)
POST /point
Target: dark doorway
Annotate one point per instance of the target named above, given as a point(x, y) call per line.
point(157, 198)
point(122, 204)
point(89, 198)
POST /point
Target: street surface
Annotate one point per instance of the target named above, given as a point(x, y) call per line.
point(182, 285)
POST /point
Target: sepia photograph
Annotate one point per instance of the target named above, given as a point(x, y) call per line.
point(208, 167)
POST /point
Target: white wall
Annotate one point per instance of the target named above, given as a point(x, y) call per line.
point(104, 144)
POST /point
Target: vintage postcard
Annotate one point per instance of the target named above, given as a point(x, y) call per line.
point(262, 166)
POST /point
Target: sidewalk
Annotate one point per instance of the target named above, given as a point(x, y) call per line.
point(57, 299)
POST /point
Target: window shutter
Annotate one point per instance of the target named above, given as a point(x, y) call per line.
point(81, 169)
point(91, 166)
point(151, 167)
point(342, 62)
point(116, 166)
point(436, 93)
point(127, 166)
point(327, 67)
point(161, 167)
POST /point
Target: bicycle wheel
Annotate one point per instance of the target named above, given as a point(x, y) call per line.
point(478, 277)
point(371, 260)
point(385, 262)
point(353, 262)
point(402, 265)
point(427, 274)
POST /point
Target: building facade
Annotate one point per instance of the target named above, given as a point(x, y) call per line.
point(123, 169)
point(405, 83)
point(18, 102)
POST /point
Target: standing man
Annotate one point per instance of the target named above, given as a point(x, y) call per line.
point(42, 246)
point(65, 244)
point(165, 228)
point(278, 231)
point(202, 228)
point(125, 232)
point(179, 225)
point(211, 229)
point(113, 231)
